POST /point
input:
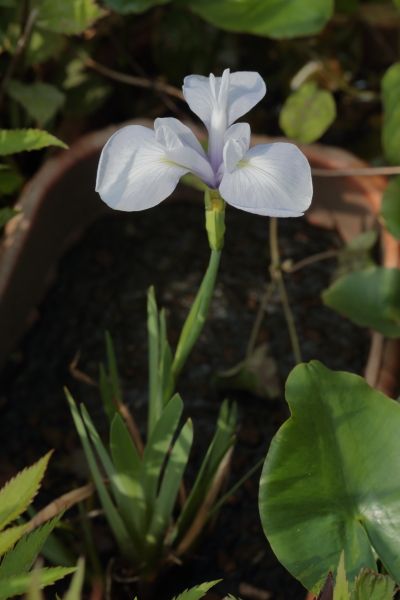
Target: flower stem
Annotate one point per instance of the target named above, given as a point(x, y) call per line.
point(276, 275)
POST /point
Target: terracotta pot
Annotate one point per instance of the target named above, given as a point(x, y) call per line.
point(59, 203)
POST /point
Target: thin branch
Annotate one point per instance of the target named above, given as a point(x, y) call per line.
point(356, 171)
point(19, 49)
point(259, 318)
point(143, 82)
point(309, 260)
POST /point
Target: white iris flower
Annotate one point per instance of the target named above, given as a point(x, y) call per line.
point(139, 167)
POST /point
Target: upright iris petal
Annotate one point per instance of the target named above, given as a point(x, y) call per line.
point(219, 101)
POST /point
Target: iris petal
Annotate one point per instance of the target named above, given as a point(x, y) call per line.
point(134, 172)
point(271, 180)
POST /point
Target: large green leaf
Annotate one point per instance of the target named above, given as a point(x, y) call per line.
point(331, 477)
point(69, 16)
point(370, 298)
point(273, 18)
point(40, 100)
point(125, 7)
point(307, 113)
point(390, 210)
point(20, 140)
point(18, 493)
point(391, 115)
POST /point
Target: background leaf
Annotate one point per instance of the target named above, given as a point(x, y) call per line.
point(373, 586)
point(20, 140)
point(390, 210)
point(69, 16)
point(125, 7)
point(273, 18)
point(40, 100)
point(391, 114)
point(323, 488)
point(307, 113)
point(370, 298)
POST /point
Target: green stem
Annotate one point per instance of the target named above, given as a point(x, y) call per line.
point(276, 275)
point(197, 316)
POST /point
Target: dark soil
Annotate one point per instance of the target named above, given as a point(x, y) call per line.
point(102, 285)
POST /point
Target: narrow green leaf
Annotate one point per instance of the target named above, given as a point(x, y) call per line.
point(220, 444)
point(370, 298)
point(170, 484)
point(323, 489)
point(18, 493)
point(391, 113)
point(40, 100)
point(106, 394)
point(21, 558)
point(9, 536)
point(76, 585)
point(128, 476)
point(116, 524)
point(158, 445)
point(113, 369)
point(19, 584)
point(166, 385)
point(153, 334)
point(373, 586)
point(390, 210)
point(20, 140)
point(197, 592)
point(307, 113)
point(69, 17)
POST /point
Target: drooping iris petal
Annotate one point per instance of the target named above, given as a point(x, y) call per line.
point(134, 172)
point(183, 148)
point(271, 179)
point(238, 131)
point(203, 94)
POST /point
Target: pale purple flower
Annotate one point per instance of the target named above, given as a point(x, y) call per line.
point(139, 167)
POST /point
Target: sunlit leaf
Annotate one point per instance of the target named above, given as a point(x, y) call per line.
point(323, 489)
point(20, 140)
point(307, 113)
point(40, 100)
point(370, 298)
point(19, 584)
point(197, 592)
point(273, 18)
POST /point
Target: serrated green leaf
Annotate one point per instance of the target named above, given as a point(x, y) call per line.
point(18, 493)
point(323, 489)
point(21, 140)
point(76, 585)
point(9, 536)
point(40, 100)
point(373, 586)
point(307, 113)
point(22, 556)
point(69, 16)
point(198, 591)
point(126, 7)
point(390, 210)
point(272, 18)
point(370, 298)
point(19, 584)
